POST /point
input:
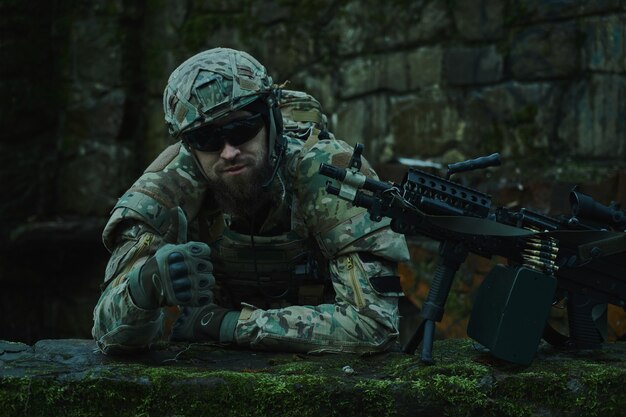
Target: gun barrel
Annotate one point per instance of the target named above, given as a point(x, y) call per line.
point(332, 171)
point(360, 200)
point(339, 174)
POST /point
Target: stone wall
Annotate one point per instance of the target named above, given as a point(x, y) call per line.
point(544, 83)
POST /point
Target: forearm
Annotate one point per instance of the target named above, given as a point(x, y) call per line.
point(323, 328)
point(119, 324)
point(361, 320)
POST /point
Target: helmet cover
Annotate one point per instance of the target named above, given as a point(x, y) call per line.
point(210, 85)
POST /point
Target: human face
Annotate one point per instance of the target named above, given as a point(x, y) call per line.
point(235, 164)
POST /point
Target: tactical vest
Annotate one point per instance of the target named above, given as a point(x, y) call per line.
point(268, 271)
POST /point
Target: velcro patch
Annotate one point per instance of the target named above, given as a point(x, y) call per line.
point(247, 84)
point(386, 284)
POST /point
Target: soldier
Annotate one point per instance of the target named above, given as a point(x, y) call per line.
point(233, 224)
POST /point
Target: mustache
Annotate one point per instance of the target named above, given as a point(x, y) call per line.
point(238, 161)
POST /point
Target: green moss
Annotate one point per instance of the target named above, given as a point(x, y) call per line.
point(89, 396)
point(573, 387)
point(462, 382)
point(600, 394)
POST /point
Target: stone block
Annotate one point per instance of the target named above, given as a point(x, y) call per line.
point(425, 124)
point(397, 71)
point(96, 54)
point(101, 7)
point(91, 117)
point(424, 67)
point(219, 6)
point(93, 177)
point(378, 26)
point(472, 66)
point(593, 123)
point(156, 137)
point(517, 120)
point(604, 48)
point(268, 12)
point(528, 11)
point(433, 23)
point(545, 51)
point(160, 39)
point(297, 49)
point(28, 174)
point(318, 81)
point(367, 74)
point(479, 20)
point(364, 120)
point(29, 108)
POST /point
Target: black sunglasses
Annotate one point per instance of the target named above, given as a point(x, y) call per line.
point(211, 138)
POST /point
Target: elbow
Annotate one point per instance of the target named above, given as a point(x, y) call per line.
point(378, 331)
point(127, 339)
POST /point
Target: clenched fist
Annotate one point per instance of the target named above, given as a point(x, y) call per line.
point(174, 275)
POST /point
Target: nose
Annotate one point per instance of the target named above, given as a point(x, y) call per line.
point(229, 152)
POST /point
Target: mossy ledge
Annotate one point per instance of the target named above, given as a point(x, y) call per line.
point(70, 378)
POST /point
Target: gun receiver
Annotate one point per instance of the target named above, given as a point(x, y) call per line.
point(549, 258)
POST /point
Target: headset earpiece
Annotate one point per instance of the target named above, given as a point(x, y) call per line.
point(275, 113)
point(277, 142)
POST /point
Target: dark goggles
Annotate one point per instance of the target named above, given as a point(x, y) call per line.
point(211, 138)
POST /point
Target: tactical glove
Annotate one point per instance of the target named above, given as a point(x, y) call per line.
point(174, 275)
point(210, 322)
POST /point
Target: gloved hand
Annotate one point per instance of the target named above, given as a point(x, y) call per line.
point(174, 275)
point(210, 322)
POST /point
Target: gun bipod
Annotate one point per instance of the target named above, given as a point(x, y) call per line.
point(451, 256)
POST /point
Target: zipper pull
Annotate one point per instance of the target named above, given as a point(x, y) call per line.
point(349, 265)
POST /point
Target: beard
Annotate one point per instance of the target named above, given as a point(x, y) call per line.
point(242, 195)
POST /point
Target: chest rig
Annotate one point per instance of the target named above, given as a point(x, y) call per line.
point(278, 268)
point(269, 270)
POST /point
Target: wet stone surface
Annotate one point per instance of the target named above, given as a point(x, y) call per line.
point(73, 378)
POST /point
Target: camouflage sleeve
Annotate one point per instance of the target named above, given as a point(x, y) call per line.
point(119, 325)
point(337, 225)
point(361, 319)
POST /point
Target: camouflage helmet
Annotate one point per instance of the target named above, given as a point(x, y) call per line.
point(210, 85)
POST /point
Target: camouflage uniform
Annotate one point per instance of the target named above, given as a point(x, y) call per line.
point(314, 278)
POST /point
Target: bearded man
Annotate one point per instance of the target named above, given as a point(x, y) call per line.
point(232, 225)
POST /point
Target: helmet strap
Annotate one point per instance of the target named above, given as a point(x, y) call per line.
point(195, 160)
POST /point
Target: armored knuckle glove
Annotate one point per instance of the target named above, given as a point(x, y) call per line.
point(174, 275)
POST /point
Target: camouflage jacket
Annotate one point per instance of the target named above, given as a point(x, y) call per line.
point(356, 253)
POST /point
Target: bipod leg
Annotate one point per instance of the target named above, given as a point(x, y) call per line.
point(427, 345)
point(451, 256)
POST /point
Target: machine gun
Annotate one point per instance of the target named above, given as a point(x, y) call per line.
point(577, 259)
